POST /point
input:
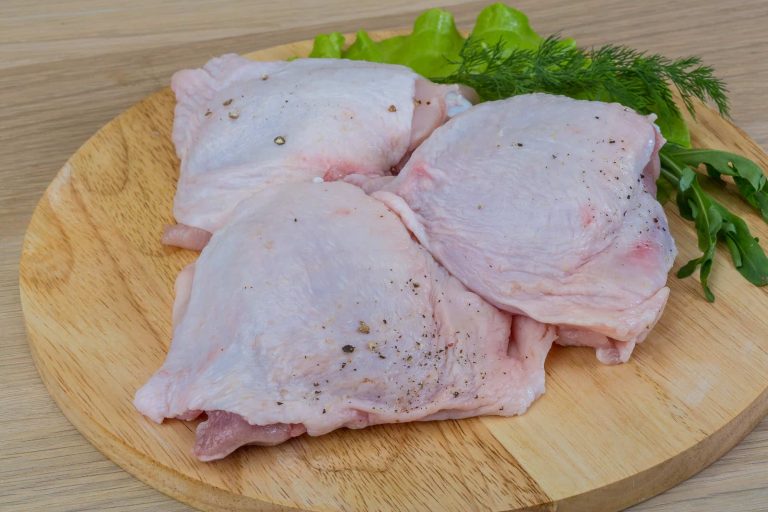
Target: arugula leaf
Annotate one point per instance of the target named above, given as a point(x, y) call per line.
point(695, 205)
point(748, 176)
point(715, 222)
point(748, 257)
point(664, 190)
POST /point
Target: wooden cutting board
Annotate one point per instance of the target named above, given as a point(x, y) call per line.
point(97, 291)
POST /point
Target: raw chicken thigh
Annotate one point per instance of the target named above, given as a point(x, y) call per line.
point(545, 206)
point(314, 309)
point(241, 126)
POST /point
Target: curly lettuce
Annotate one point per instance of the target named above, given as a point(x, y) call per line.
point(432, 48)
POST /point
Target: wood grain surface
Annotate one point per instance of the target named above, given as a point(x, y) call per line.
point(69, 67)
point(97, 291)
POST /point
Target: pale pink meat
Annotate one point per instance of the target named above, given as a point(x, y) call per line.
point(314, 309)
point(435, 104)
point(241, 126)
point(224, 432)
point(186, 237)
point(608, 350)
point(545, 206)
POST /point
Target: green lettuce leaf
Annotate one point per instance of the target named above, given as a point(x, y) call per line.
point(428, 49)
point(330, 46)
point(672, 126)
point(432, 47)
point(499, 22)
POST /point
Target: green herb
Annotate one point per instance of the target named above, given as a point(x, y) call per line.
point(609, 73)
point(714, 221)
point(747, 175)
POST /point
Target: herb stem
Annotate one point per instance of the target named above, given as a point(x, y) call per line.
point(669, 176)
point(670, 166)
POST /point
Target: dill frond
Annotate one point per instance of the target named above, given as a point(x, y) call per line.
point(611, 73)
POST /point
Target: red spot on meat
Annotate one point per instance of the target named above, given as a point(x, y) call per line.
point(339, 168)
point(644, 251)
point(335, 173)
point(420, 171)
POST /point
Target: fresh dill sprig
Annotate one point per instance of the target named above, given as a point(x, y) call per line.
point(633, 78)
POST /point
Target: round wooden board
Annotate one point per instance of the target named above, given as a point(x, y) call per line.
point(97, 290)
